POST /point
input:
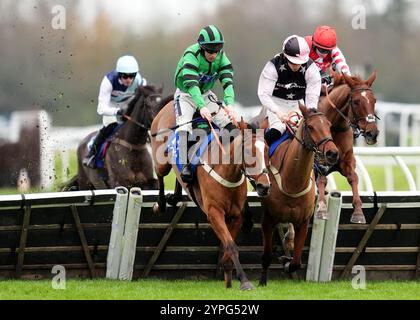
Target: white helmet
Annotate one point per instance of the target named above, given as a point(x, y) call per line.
point(296, 49)
point(127, 64)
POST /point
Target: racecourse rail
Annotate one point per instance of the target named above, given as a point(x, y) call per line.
point(72, 229)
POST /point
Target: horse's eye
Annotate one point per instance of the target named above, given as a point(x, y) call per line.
point(310, 127)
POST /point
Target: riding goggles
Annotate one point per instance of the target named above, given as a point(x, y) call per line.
point(127, 75)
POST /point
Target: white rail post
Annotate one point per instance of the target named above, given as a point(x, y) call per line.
point(330, 237)
point(315, 248)
point(131, 229)
point(117, 232)
point(46, 163)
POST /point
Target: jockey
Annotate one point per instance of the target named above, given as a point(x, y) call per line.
point(290, 77)
point(116, 91)
point(325, 53)
point(198, 69)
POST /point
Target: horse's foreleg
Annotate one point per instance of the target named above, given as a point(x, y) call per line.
point(350, 173)
point(267, 234)
point(300, 236)
point(173, 199)
point(321, 212)
point(217, 220)
point(160, 206)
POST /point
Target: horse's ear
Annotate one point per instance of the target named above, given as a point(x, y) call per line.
point(348, 79)
point(242, 124)
point(371, 78)
point(303, 109)
point(160, 88)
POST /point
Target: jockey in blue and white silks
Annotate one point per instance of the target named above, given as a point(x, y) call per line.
point(117, 89)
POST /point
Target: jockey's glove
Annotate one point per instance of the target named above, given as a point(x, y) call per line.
point(205, 113)
point(119, 112)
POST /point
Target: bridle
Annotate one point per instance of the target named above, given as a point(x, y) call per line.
point(353, 123)
point(252, 180)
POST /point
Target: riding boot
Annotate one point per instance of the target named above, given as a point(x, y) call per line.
point(186, 174)
point(89, 161)
point(272, 135)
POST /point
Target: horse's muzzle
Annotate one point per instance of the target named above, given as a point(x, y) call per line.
point(263, 190)
point(331, 156)
point(371, 137)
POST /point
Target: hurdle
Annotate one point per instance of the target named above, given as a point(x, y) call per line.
point(117, 232)
point(135, 201)
point(323, 241)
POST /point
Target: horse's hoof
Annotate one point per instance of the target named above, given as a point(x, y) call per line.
point(262, 283)
point(287, 267)
point(247, 286)
point(358, 218)
point(323, 215)
point(172, 199)
point(284, 259)
point(156, 208)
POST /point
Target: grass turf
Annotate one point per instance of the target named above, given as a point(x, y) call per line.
point(152, 289)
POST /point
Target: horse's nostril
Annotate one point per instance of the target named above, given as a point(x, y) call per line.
point(332, 156)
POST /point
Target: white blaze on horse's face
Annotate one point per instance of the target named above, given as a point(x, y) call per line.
point(364, 95)
point(254, 157)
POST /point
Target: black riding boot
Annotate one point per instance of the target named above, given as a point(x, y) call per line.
point(272, 135)
point(186, 174)
point(89, 160)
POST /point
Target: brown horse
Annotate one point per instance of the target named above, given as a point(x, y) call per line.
point(292, 197)
point(219, 187)
point(350, 104)
point(128, 161)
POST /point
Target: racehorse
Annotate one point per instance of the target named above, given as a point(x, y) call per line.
point(127, 162)
point(219, 187)
point(349, 105)
point(292, 196)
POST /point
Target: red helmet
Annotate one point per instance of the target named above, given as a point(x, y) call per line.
point(325, 37)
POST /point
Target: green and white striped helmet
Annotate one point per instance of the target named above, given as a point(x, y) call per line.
point(210, 38)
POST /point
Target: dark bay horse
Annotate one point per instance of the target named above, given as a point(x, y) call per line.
point(220, 187)
point(350, 105)
point(292, 196)
point(128, 161)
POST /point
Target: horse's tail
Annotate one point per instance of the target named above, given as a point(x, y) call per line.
point(71, 185)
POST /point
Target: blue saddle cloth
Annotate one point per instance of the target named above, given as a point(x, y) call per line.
point(173, 148)
point(101, 153)
point(276, 143)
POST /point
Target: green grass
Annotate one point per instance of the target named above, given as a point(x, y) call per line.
point(206, 290)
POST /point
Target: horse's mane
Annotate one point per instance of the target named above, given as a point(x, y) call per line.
point(163, 102)
point(141, 92)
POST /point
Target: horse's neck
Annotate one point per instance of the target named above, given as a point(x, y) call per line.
point(228, 165)
point(132, 132)
point(297, 164)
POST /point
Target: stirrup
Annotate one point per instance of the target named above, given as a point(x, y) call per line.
point(89, 162)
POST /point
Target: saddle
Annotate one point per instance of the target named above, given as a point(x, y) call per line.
point(103, 147)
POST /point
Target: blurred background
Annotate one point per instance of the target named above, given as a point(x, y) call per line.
point(58, 70)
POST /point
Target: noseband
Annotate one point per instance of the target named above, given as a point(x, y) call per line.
point(370, 118)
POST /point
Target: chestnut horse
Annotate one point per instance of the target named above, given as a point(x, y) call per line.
point(219, 187)
point(349, 105)
point(128, 161)
point(292, 197)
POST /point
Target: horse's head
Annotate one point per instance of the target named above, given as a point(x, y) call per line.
point(362, 102)
point(255, 158)
point(144, 106)
point(316, 134)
